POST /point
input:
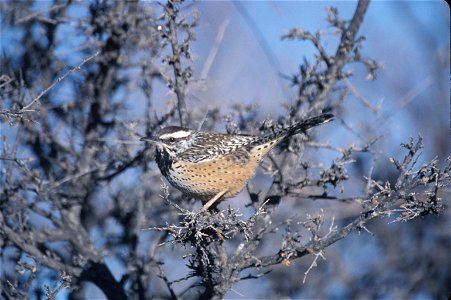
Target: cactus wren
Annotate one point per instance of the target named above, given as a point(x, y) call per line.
point(211, 165)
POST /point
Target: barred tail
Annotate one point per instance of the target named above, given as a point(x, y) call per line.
point(309, 123)
point(273, 139)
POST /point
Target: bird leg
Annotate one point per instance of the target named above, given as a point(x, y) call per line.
point(213, 200)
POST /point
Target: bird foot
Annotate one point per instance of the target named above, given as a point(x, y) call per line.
point(213, 200)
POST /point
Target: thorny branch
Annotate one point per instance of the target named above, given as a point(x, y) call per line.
point(204, 231)
point(386, 202)
point(27, 108)
point(219, 270)
point(174, 22)
point(315, 84)
point(71, 204)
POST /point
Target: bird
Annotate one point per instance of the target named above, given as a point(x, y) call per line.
point(212, 166)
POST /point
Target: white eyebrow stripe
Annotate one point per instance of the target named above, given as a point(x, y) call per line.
point(176, 135)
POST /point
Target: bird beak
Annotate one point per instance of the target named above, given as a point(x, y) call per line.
point(150, 139)
point(154, 140)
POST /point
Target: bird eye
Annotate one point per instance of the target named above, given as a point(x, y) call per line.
point(172, 139)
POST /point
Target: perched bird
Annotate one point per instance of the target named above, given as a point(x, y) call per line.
point(212, 166)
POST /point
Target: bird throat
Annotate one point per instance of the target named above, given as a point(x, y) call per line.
point(164, 161)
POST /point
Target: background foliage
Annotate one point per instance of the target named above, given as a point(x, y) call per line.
point(343, 212)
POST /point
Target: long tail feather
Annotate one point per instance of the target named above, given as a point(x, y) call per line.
point(309, 123)
point(303, 126)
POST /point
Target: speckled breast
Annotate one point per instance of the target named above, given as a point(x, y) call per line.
point(228, 173)
point(206, 179)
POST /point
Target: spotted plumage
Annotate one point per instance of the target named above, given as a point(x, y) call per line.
point(209, 164)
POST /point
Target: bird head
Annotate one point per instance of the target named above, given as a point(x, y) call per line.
point(171, 140)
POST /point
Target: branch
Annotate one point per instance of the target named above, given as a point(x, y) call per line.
point(180, 76)
point(344, 48)
point(25, 245)
point(49, 88)
point(383, 203)
point(100, 275)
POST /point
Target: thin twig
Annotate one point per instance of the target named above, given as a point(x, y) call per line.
point(26, 107)
point(214, 49)
point(179, 85)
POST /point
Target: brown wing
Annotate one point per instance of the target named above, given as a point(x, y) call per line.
point(206, 146)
